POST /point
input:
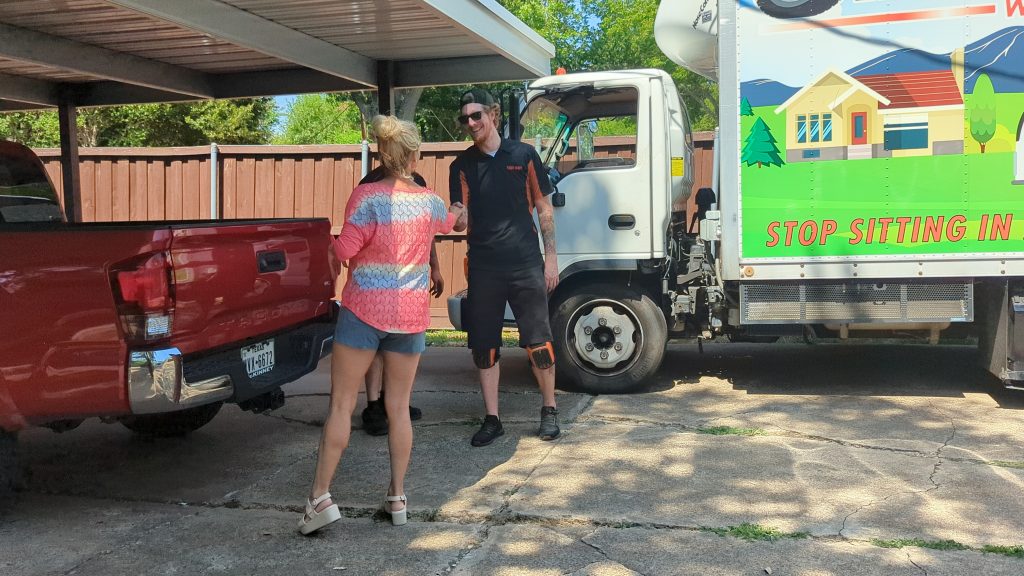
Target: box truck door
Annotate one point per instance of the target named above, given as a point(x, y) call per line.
point(588, 139)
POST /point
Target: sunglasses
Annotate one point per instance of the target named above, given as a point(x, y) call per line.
point(475, 117)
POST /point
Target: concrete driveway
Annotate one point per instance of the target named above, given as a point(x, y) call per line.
point(748, 459)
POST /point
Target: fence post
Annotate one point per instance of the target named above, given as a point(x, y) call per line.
point(366, 159)
point(214, 192)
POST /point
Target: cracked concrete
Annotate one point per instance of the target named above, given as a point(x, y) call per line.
point(859, 443)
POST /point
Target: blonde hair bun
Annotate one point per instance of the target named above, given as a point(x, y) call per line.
point(397, 140)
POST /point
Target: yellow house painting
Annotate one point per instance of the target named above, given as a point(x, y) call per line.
point(844, 117)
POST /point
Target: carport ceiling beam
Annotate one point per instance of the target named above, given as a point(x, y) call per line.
point(467, 70)
point(245, 29)
point(497, 28)
point(28, 90)
point(46, 50)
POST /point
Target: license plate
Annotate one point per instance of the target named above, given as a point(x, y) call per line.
point(258, 358)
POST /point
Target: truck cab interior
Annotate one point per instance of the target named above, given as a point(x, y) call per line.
point(562, 126)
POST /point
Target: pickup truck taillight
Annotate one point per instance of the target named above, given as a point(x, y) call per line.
point(145, 299)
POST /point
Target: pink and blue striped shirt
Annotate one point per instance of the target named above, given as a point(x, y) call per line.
point(386, 240)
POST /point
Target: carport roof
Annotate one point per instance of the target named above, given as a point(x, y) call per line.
point(105, 52)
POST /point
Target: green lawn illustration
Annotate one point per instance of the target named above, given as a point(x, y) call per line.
point(974, 186)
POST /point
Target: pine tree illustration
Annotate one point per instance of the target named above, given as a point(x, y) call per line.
point(745, 108)
point(760, 148)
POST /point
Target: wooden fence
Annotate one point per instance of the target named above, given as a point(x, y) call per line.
point(140, 184)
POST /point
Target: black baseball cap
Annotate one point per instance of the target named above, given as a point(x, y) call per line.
point(476, 96)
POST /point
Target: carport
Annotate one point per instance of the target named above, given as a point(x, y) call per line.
point(67, 54)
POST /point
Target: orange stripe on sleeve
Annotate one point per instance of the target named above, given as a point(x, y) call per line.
point(533, 192)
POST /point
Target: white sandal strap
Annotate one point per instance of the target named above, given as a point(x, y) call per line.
point(319, 500)
point(400, 498)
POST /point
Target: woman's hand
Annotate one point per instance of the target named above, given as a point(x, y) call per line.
point(461, 216)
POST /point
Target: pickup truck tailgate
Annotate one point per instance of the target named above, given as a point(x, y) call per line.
point(241, 281)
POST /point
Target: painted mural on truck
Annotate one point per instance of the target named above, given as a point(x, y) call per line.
point(882, 128)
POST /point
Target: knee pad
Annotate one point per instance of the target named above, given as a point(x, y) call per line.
point(542, 356)
point(486, 358)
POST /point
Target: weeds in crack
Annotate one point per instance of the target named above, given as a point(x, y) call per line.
point(749, 532)
point(731, 431)
point(1011, 551)
point(1006, 464)
point(920, 543)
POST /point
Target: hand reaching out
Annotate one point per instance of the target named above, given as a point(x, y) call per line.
point(461, 216)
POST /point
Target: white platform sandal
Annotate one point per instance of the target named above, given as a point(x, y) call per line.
point(399, 517)
point(312, 520)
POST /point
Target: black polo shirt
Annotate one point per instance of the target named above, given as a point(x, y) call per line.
point(500, 193)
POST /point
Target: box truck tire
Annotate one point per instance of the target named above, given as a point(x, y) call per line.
point(795, 8)
point(608, 339)
point(172, 423)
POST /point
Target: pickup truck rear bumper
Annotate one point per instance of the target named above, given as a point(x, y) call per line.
point(164, 380)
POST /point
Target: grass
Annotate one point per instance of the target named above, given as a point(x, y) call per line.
point(919, 543)
point(730, 431)
point(1011, 551)
point(749, 532)
point(1007, 464)
point(457, 338)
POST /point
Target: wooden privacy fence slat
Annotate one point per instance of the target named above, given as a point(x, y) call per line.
point(140, 184)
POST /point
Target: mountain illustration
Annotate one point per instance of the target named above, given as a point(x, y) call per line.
point(998, 55)
point(764, 92)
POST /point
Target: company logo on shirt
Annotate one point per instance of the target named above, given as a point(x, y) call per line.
point(514, 168)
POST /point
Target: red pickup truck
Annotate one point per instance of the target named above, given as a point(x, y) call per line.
point(152, 324)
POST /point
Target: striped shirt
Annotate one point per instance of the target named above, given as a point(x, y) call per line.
point(386, 240)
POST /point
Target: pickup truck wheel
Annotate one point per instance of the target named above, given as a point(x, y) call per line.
point(172, 423)
point(608, 339)
point(795, 8)
point(8, 468)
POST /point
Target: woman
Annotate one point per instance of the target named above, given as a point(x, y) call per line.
point(386, 239)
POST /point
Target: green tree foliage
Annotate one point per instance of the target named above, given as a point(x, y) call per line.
point(322, 119)
point(983, 111)
point(745, 108)
point(588, 35)
point(597, 35)
point(760, 146)
point(191, 124)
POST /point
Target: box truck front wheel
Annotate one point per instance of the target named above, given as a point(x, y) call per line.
point(608, 338)
point(795, 8)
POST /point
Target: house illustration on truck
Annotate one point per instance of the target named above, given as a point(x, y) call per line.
point(843, 116)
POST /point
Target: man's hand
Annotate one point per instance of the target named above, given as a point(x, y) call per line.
point(551, 273)
point(436, 282)
point(461, 216)
point(436, 279)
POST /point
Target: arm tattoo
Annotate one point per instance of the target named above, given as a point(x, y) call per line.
point(547, 231)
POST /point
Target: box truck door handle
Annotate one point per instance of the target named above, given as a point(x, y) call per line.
point(270, 261)
point(621, 221)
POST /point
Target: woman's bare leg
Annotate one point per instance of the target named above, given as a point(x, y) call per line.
point(399, 375)
point(348, 368)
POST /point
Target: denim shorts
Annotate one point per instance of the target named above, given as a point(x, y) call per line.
point(354, 333)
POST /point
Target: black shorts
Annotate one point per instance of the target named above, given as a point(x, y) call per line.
point(484, 314)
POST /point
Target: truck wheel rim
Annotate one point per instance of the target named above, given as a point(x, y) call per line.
point(605, 337)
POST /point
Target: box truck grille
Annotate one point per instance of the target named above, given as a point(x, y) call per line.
point(874, 302)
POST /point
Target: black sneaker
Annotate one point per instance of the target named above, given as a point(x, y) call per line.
point(375, 418)
point(548, 423)
point(488, 432)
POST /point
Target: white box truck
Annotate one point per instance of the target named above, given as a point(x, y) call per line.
point(867, 179)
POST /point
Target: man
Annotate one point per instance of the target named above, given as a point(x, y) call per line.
point(375, 417)
point(501, 182)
